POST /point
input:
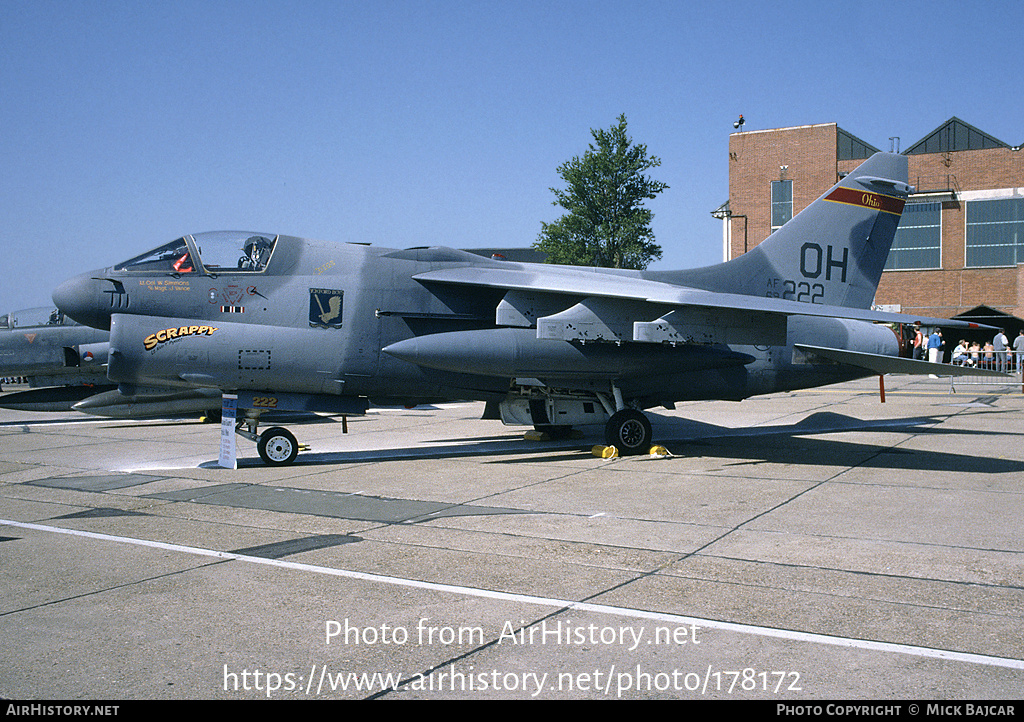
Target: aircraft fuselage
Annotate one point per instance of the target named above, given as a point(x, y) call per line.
point(352, 320)
point(338, 325)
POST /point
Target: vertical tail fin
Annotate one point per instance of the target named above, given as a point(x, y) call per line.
point(832, 252)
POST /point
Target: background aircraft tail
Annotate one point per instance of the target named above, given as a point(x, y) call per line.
point(832, 252)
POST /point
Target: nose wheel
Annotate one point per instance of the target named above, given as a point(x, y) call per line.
point(629, 431)
point(277, 446)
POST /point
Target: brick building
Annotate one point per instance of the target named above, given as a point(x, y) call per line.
point(960, 243)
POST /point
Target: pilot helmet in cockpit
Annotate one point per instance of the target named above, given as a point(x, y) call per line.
point(255, 250)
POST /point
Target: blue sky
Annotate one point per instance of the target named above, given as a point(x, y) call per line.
point(403, 123)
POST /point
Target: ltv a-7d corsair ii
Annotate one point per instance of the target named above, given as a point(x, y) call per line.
point(295, 324)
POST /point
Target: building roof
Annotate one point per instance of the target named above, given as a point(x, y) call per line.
point(1010, 324)
point(850, 147)
point(953, 135)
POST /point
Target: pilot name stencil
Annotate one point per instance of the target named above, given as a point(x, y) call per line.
point(162, 284)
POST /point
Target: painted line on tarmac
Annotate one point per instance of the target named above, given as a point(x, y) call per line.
point(786, 634)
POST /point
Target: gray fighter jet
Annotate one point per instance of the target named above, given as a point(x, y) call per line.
point(63, 361)
point(65, 364)
point(288, 323)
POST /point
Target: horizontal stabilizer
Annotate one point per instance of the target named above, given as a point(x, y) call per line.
point(880, 364)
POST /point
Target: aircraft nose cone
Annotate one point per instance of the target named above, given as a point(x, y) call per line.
point(80, 298)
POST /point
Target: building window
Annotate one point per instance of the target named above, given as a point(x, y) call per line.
point(918, 238)
point(995, 232)
point(782, 203)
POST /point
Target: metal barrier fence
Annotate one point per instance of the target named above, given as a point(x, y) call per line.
point(1009, 362)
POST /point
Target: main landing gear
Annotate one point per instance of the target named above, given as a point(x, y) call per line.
point(629, 431)
point(554, 413)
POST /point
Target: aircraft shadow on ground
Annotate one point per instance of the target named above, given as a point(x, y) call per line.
point(689, 438)
point(796, 444)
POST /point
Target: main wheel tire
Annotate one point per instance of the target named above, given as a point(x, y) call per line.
point(277, 446)
point(629, 431)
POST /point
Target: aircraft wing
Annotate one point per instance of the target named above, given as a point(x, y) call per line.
point(590, 283)
point(893, 364)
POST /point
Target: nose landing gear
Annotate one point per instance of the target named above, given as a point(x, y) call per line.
point(277, 446)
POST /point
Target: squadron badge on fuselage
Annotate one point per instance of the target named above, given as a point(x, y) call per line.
point(325, 308)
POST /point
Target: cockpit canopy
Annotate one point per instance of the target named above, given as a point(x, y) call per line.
point(35, 318)
point(213, 252)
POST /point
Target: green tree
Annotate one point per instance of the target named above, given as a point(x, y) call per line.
point(606, 224)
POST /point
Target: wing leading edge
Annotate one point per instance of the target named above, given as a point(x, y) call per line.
point(587, 283)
